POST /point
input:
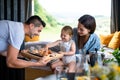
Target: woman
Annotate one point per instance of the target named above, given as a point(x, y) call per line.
point(84, 35)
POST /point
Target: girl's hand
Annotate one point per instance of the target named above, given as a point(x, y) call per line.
point(63, 53)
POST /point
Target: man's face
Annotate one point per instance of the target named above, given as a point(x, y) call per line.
point(35, 31)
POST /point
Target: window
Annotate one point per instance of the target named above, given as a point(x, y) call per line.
point(67, 12)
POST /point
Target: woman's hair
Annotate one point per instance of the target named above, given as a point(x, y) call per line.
point(68, 30)
point(89, 22)
point(36, 20)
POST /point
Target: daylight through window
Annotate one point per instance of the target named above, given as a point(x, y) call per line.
point(67, 12)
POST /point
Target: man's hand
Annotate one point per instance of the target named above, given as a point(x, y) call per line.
point(44, 61)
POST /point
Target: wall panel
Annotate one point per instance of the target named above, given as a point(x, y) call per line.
point(2, 9)
point(12, 10)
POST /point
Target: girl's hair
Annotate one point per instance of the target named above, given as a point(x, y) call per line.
point(89, 22)
point(68, 30)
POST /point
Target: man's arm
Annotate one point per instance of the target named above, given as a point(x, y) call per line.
point(14, 62)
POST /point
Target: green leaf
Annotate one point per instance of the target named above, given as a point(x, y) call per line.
point(116, 54)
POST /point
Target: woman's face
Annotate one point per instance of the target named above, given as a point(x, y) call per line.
point(82, 31)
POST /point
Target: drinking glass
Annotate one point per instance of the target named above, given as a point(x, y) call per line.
point(60, 73)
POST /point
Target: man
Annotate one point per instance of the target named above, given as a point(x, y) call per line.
point(11, 38)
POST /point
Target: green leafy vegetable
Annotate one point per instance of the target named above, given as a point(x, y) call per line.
point(116, 54)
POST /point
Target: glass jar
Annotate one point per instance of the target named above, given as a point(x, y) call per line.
point(82, 67)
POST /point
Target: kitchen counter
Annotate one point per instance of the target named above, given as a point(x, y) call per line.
point(33, 73)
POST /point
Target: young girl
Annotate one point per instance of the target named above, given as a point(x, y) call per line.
point(67, 48)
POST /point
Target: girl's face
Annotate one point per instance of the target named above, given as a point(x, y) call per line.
point(65, 36)
point(82, 31)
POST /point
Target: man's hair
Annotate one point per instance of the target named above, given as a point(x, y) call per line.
point(89, 22)
point(36, 20)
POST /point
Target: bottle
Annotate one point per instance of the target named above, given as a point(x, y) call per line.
point(99, 59)
point(86, 67)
